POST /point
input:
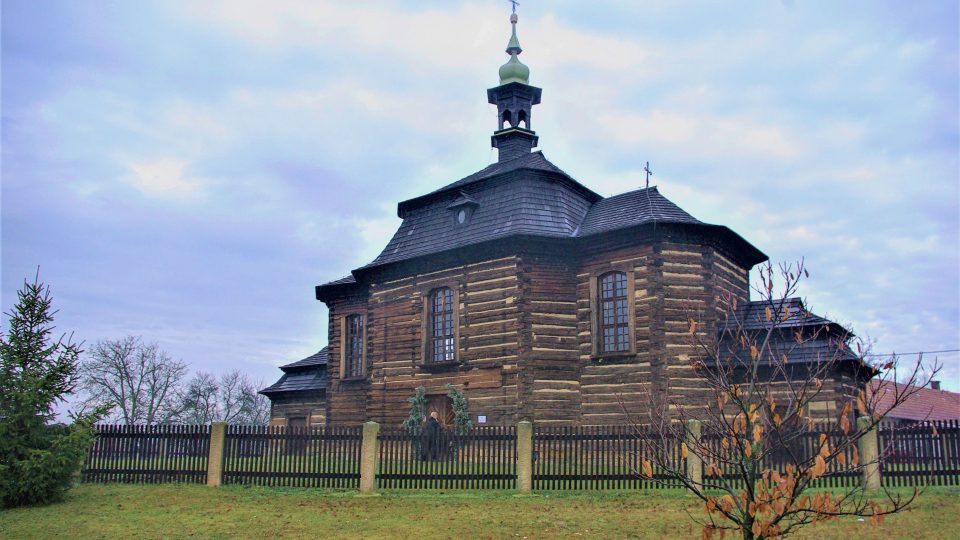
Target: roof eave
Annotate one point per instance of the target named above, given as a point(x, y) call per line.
point(748, 253)
point(268, 392)
point(330, 291)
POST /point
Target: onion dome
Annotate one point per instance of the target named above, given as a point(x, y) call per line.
point(514, 70)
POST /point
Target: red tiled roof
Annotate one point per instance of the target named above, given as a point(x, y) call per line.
point(926, 404)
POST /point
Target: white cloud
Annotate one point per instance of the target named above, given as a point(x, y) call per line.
point(375, 234)
point(712, 136)
point(164, 178)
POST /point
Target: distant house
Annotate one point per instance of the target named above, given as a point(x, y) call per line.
point(539, 299)
point(927, 404)
point(299, 398)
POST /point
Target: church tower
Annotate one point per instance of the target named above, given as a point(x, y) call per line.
point(534, 296)
point(514, 99)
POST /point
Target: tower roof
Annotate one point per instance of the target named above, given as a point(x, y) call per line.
point(514, 70)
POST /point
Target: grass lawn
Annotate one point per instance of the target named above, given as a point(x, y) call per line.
point(181, 511)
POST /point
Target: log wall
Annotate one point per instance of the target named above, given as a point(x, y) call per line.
point(487, 294)
point(312, 406)
point(525, 336)
point(615, 388)
point(549, 370)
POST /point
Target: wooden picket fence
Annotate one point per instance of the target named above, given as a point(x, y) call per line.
point(805, 446)
point(484, 458)
point(926, 453)
point(148, 454)
point(563, 458)
point(297, 457)
point(604, 457)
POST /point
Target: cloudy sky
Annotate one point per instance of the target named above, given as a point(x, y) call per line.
point(189, 171)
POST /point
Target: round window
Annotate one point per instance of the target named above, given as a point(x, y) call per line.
point(461, 216)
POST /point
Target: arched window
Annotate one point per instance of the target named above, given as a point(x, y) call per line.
point(507, 119)
point(353, 347)
point(441, 342)
point(614, 317)
point(522, 119)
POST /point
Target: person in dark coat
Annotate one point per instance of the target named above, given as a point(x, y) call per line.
point(430, 438)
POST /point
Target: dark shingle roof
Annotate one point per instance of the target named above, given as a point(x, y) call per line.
point(829, 343)
point(525, 196)
point(307, 375)
point(345, 280)
point(630, 209)
point(317, 359)
point(533, 161)
point(521, 205)
point(823, 348)
point(314, 380)
point(753, 316)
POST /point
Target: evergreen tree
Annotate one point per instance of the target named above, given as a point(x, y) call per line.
point(37, 458)
point(418, 410)
point(461, 417)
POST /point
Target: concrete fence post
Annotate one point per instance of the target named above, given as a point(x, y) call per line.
point(524, 457)
point(369, 454)
point(218, 438)
point(868, 445)
point(694, 462)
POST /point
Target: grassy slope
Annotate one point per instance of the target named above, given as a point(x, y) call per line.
point(172, 511)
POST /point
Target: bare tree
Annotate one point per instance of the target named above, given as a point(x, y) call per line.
point(198, 400)
point(138, 379)
point(231, 398)
point(258, 409)
point(771, 426)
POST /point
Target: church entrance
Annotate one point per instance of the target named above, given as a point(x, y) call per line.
point(443, 406)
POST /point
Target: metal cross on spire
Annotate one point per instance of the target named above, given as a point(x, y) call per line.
point(649, 174)
point(515, 4)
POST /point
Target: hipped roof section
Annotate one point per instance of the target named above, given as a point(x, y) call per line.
point(526, 197)
point(307, 375)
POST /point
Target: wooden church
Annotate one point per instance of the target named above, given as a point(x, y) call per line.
point(536, 297)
